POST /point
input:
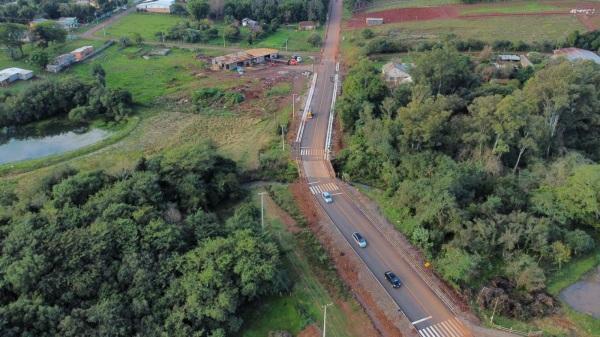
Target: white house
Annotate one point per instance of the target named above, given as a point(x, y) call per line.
point(158, 6)
point(396, 73)
point(10, 75)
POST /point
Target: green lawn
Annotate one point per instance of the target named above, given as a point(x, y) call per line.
point(146, 79)
point(147, 25)
point(509, 8)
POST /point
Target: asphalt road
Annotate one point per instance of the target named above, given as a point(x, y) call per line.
point(430, 316)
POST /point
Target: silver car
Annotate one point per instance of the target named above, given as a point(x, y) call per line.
point(327, 197)
point(360, 241)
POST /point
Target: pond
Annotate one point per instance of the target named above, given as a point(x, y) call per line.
point(584, 295)
point(45, 139)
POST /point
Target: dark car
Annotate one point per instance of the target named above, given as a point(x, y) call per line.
point(393, 279)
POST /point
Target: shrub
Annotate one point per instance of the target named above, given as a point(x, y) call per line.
point(367, 34)
point(315, 40)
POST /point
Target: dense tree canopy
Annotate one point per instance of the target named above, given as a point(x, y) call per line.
point(79, 100)
point(502, 183)
point(141, 253)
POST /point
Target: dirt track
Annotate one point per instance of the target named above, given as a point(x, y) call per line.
point(454, 12)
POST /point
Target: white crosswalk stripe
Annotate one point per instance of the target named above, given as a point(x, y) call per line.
point(318, 189)
point(311, 152)
point(448, 328)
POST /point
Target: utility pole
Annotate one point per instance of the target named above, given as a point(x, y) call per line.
point(282, 138)
point(325, 319)
point(262, 210)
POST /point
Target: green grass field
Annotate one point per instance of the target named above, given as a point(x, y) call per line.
point(146, 79)
point(380, 5)
point(509, 8)
point(534, 28)
point(147, 25)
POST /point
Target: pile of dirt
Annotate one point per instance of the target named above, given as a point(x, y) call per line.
point(310, 331)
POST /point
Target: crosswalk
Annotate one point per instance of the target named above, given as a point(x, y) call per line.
point(318, 189)
point(448, 328)
point(311, 152)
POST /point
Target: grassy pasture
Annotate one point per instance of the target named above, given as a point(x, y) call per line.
point(380, 5)
point(147, 25)
point(509, 8)
point(528, 29)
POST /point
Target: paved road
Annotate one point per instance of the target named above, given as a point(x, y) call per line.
point(418, 302)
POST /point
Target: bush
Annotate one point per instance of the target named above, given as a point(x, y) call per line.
point(211, 97)
point(315, 40)
point(367, 34)
point(231, 33)
point(39, 58)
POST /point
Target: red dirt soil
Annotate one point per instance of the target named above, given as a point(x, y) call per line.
point(453, 12)
point(406, 14)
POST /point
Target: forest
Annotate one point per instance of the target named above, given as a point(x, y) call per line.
point(164, 249)
point(79, 100)
point(498, 184)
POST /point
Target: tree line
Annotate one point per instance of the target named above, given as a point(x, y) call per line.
point(152, 251)
point(23, 11)
point(13, 36)
point(79, 100)
point(266, 11)
point(490, 180)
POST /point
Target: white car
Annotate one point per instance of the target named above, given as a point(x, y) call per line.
point(360, 240)
point(327, 197)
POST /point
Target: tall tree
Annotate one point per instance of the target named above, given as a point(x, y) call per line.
point(11, 36)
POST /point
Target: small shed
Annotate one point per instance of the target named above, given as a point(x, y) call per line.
point(82, 52)
point(374, 21)
point(509, 58)
point(247, 22)
point(525, 62)
point(60, 62)
point(307, 25)
point(10, 75)
point(396, 73)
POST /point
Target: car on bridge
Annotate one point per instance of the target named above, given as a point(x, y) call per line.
point(393, 279)
point(327, 197)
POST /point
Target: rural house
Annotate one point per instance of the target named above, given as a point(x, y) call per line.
point(374, 21)
point(246, 22)
point(10, 75)
point(576, 54)
point(158, 6)
point(81, 52)
point(244, 58)
point(307, 25)
point(60, 62)
point(396, 73)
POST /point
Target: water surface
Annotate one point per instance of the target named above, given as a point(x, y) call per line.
point(584, 295)
point(45, 139)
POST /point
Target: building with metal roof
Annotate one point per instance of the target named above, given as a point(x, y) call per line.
point(244, 58)
point(10, 75)
point(577, 54)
